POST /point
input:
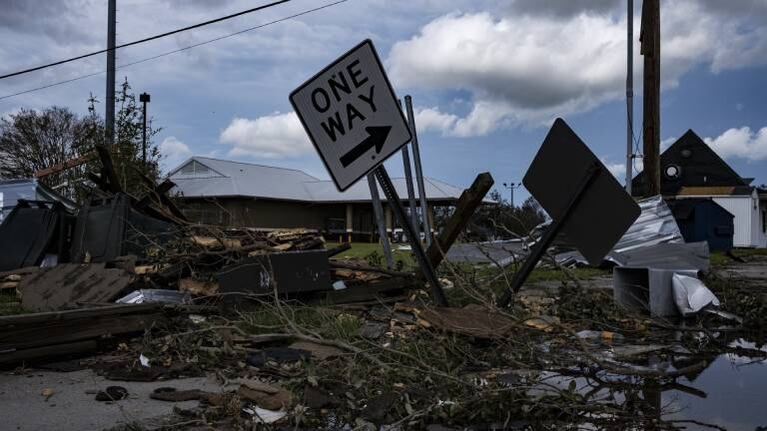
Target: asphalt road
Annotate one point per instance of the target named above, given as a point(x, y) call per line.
point(23, 406)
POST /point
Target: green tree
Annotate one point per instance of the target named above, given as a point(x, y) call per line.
point(31, 141)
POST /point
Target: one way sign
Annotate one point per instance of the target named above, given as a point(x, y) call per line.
point(351, 115)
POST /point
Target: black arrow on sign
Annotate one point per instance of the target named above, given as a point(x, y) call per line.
point(376, 138)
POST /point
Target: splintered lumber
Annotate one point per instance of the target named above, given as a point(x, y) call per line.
point(211, 242)
point(40, 335)
point(469, 201)
point(366, 268)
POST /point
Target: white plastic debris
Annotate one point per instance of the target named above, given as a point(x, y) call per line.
point(144, 360)
point(691, 295)
point(339, 285)
point(197, 319)
point(263, 415)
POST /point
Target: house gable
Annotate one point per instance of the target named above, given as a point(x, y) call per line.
point(690, 162)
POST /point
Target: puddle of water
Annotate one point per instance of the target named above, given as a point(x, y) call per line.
point(736, 395)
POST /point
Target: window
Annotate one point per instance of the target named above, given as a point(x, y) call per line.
point(194, 167)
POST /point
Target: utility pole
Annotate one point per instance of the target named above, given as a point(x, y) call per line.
point(650, 39)
point(144, 98)
point(109, 116)
point(630, 97)
point(511, 187)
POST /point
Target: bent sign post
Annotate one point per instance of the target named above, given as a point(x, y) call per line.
point(352, 117)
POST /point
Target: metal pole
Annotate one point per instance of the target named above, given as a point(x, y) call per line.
point(418, 170)
point(143, 138)
point(630, 98)
point(409, 184)
point(378, 211)
point(399, 212)
point(144, 98)
point(110, 96)
point(545, 241)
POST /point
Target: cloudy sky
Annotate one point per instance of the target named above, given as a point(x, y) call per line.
point(487, 77)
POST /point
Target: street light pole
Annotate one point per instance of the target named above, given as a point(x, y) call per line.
point(511, 187)
point(144, 98)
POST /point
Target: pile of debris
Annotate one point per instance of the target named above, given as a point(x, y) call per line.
point(66, 263)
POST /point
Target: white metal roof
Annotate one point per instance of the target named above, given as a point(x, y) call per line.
point(207, 177)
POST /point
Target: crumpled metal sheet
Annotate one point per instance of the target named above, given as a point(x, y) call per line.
point(654, 240)
point(655, 225)
point(691, 295)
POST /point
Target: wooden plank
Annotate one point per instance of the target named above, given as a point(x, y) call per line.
point(78, 347)
point(8, 322)
point(113, 183)
point(69, 331)
point(64, 285)
point(77, 161)
point(469, 201)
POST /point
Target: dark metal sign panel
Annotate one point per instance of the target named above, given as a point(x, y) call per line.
point(351, 115)
point(602, 214)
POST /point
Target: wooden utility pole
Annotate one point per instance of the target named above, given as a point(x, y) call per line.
point(109, 115)
point(650, 39)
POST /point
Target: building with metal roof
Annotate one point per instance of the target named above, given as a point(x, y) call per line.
point(233, 193)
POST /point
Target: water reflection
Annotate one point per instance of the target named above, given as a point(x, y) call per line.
point(735, 394)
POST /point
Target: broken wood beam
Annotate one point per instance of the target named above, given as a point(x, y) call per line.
point(41, 335)
point(108, 168)
point(367, 268)
point(468, 203)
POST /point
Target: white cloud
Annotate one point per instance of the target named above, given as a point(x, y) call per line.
point(172, 147)
point(665, 143)
point(272, 136)
point(530, 67)
point(741, 143)
point(431, 119)
point(173, 152)
point(617, 169)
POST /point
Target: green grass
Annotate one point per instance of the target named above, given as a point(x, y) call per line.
point(362, 250)
point(9, 305)
point(719, 258)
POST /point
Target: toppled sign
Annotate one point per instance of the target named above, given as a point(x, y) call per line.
point(572, 185)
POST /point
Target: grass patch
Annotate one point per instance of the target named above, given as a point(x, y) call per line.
point(10, 305)
point(374, 251)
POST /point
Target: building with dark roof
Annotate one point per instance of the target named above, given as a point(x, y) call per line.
point(232, 193)
point(690, 169)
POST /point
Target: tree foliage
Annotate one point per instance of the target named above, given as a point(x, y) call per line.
point(32, 140)
point(502, 221)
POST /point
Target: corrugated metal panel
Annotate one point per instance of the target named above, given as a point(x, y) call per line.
point(655, 225)
point(741, 208)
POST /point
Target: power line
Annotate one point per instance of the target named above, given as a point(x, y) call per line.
point(155, 57)
point(146, 39)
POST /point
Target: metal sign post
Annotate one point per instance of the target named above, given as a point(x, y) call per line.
point(415, 243)
point(410, 190)
point(378, 211)
point(419, 171)
point(409, 184)
point(352, 117)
